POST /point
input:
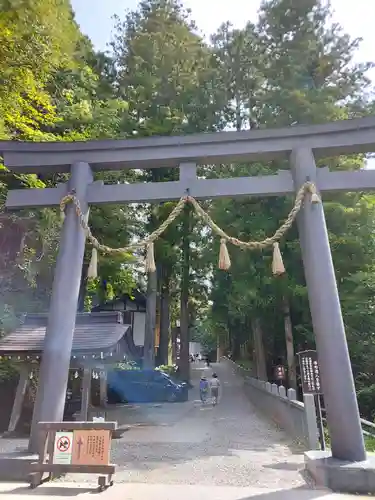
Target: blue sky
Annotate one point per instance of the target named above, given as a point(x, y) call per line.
point(94, 17)
point(355, 17)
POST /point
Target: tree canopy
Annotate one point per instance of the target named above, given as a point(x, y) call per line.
point(289, 66)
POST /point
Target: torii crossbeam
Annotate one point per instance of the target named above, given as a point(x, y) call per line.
point(300, 144)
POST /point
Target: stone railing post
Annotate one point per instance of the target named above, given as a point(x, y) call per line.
point(292, 395)
point(282, 391)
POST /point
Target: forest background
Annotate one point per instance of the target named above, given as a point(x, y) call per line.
point(291, 66)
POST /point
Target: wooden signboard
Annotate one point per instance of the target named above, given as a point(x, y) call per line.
point(310, 372)
point(91, 447)
point(68, 447)
point(310, 377)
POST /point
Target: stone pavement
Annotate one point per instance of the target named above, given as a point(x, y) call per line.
point(195, 451)
point(138, 491)
point(228, 445)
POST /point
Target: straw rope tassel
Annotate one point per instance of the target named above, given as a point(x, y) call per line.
point(224, 259)
point(92, 271)
point(150, 258)
point(315, 198)
point(277, 261)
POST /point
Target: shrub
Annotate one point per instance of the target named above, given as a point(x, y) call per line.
point(170, 370)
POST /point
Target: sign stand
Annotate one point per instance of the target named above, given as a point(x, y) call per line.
point(310, 376)
point(74, 447)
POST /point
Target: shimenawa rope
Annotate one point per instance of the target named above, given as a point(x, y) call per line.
point(224, 259)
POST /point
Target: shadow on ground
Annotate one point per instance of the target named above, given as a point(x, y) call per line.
point(299, 493)
point(49, 491)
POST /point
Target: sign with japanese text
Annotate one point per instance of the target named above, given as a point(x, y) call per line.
point(91, 447)
point(310, 372)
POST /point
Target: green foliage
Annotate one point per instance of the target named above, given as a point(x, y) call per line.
point(302, 71)
point(245, 363)
point(170, 370)
point(290, 66)
point(163, 69)
point(129, 365)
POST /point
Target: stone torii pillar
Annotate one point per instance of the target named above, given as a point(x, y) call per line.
point(334, 363)
point(54, 369)
point(326, 140)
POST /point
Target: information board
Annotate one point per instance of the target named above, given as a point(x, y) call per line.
point(91, 447)
point(310, 372)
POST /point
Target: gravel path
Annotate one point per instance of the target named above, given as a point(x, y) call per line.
point(229, 445)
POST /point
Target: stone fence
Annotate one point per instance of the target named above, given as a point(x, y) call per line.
point(294, 417)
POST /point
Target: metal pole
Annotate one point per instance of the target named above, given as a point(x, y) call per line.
point(336, 373)
point(53, 375)
point(319, 421)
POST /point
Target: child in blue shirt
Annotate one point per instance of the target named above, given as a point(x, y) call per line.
point(204, 387)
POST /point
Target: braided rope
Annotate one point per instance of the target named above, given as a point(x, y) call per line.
point(307, 187)
point(71, 198)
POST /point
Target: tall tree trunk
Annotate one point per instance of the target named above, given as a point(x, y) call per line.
point(236, 346)
point(238, 113)
point(174, 345)
point(292, 375)
point(149, 344)
point(164, 325)
point(260, 358)
point(184, 310)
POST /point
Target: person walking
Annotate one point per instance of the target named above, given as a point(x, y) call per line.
point(214, 384)
point(203, 388)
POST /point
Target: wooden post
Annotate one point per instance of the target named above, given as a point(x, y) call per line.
point(86, 394)
point(18, 400)
point(174, 345)
point(164, 324)
point(103, 388)
point(149, 343)
point(260, 358)
point(288, 328)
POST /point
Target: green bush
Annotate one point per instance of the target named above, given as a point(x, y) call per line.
point(128, 365)
point(245, 363)
point(369, 441)
point(366, 397)
point(170, 370)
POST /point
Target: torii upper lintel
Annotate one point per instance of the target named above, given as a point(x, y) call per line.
point(328, 139)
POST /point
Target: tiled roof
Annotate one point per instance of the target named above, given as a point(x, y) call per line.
point(94, 332)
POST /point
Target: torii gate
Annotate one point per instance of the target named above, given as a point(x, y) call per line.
point(300, 144)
